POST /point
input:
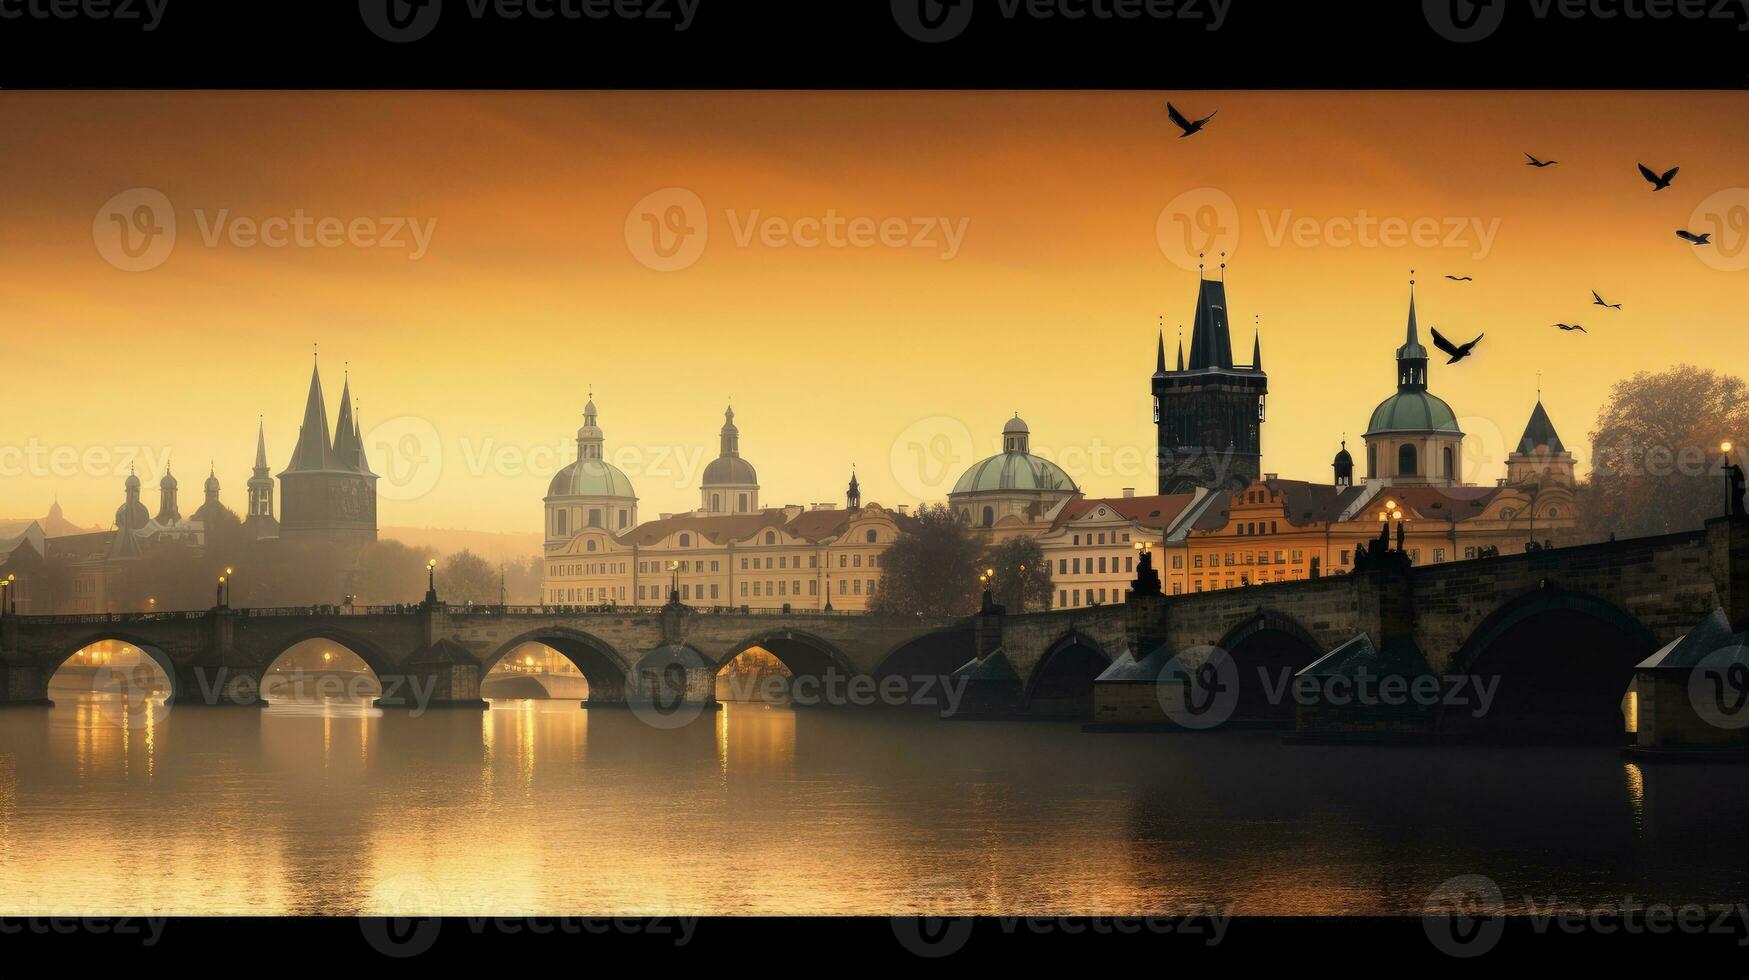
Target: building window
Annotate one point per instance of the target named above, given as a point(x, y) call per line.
point(743, 503)
point(558, 522)
point(1408, 462)
point(594, 517)
point(1450, 470)
point(716, 503)
point(771, 537)
point(989, 516)
point(871, 537)
point(686, 540)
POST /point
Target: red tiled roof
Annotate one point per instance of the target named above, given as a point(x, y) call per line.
point(810, 525)
point(1155, 511)
point(1442, 503)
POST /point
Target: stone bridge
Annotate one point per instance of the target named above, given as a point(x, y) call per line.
point(1562, 629)
point(432, 655)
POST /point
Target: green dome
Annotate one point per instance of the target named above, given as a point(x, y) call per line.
point(1014, 471)
point(590, 478)
point(1413, 411)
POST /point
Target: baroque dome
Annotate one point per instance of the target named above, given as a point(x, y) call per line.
point(729, 471)
point(591, 478)
point(1413, 411)
point(1014, 471)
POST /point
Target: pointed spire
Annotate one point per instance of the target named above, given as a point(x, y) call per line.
point(1539, 433)
point(1160, 358)
point(313, 451)
point(1257, 347)
point(261, 445)
point(1181, 348)
point(1414, 334)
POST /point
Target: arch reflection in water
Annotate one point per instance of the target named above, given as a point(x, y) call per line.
point(319, 670)
point(534, 671)
point(114, 682)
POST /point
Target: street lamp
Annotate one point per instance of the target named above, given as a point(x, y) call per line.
point(231, 585)
point(220, 597)
point(431, 582)
point(1734, 482)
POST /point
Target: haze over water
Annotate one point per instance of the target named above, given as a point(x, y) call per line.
point(539, 807)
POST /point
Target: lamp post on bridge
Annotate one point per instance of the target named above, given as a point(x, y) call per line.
point(1734, 483)
point(431, 582)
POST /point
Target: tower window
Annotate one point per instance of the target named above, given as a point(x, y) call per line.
point(1450, 468)
point(989, 516)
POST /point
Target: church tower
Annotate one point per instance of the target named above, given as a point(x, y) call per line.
point(1209, 413)
point(167, 510)
point(328, 490)
point(1413, 437)
point(259, 521)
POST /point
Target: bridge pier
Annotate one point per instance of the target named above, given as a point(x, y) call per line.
point(221, 686)
point(440, 675)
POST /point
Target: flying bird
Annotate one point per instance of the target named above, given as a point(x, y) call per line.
point(1191, 128)
point(1457, 353)
point(1539, 164)
point(1570, 327)
point(1659, 181)
point(1597, 300)
point(1460, 278)
point(1705, 238)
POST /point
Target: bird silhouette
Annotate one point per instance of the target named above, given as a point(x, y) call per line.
point(1569, 327)
point(1190, 127)
point(1457, 353)
point(1539, 164)
point(1597, 300)
point(1460, 278)
point(1705, 238)
point(1658, 181)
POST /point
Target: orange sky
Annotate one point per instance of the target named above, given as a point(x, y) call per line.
point(477, 354)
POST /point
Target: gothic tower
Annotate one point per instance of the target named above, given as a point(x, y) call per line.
point(328, 490)
point(1210, 413)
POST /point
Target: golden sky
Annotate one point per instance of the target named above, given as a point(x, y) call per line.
point(473, 349)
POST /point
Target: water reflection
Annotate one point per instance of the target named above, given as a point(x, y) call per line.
point(335, 807)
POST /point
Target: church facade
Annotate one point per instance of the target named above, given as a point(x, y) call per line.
point(730, 552)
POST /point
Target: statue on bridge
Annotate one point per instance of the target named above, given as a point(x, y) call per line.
point(1735, 474)
point(1147, 580)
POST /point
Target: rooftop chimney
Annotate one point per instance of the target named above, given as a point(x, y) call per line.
point(1129, 492)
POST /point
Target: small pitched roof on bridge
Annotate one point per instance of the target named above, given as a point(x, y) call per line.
point(1710, 636)
point(1358, 655)
point(995, 667)
point(444, 651)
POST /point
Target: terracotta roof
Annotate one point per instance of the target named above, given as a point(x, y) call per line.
point(1442, 503)
point(1156, 511)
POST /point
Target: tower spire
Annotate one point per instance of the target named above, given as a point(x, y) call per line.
point(1160, 357)
point(1257, 346)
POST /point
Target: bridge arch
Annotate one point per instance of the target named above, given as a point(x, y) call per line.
point(1562, 661)
point(157, 654)
point(374, 656)
point(1061, 683)
point(803, 653)
point(603, 667)
point(1267, 648)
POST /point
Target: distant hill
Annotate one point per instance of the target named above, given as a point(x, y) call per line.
point(490, 545)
